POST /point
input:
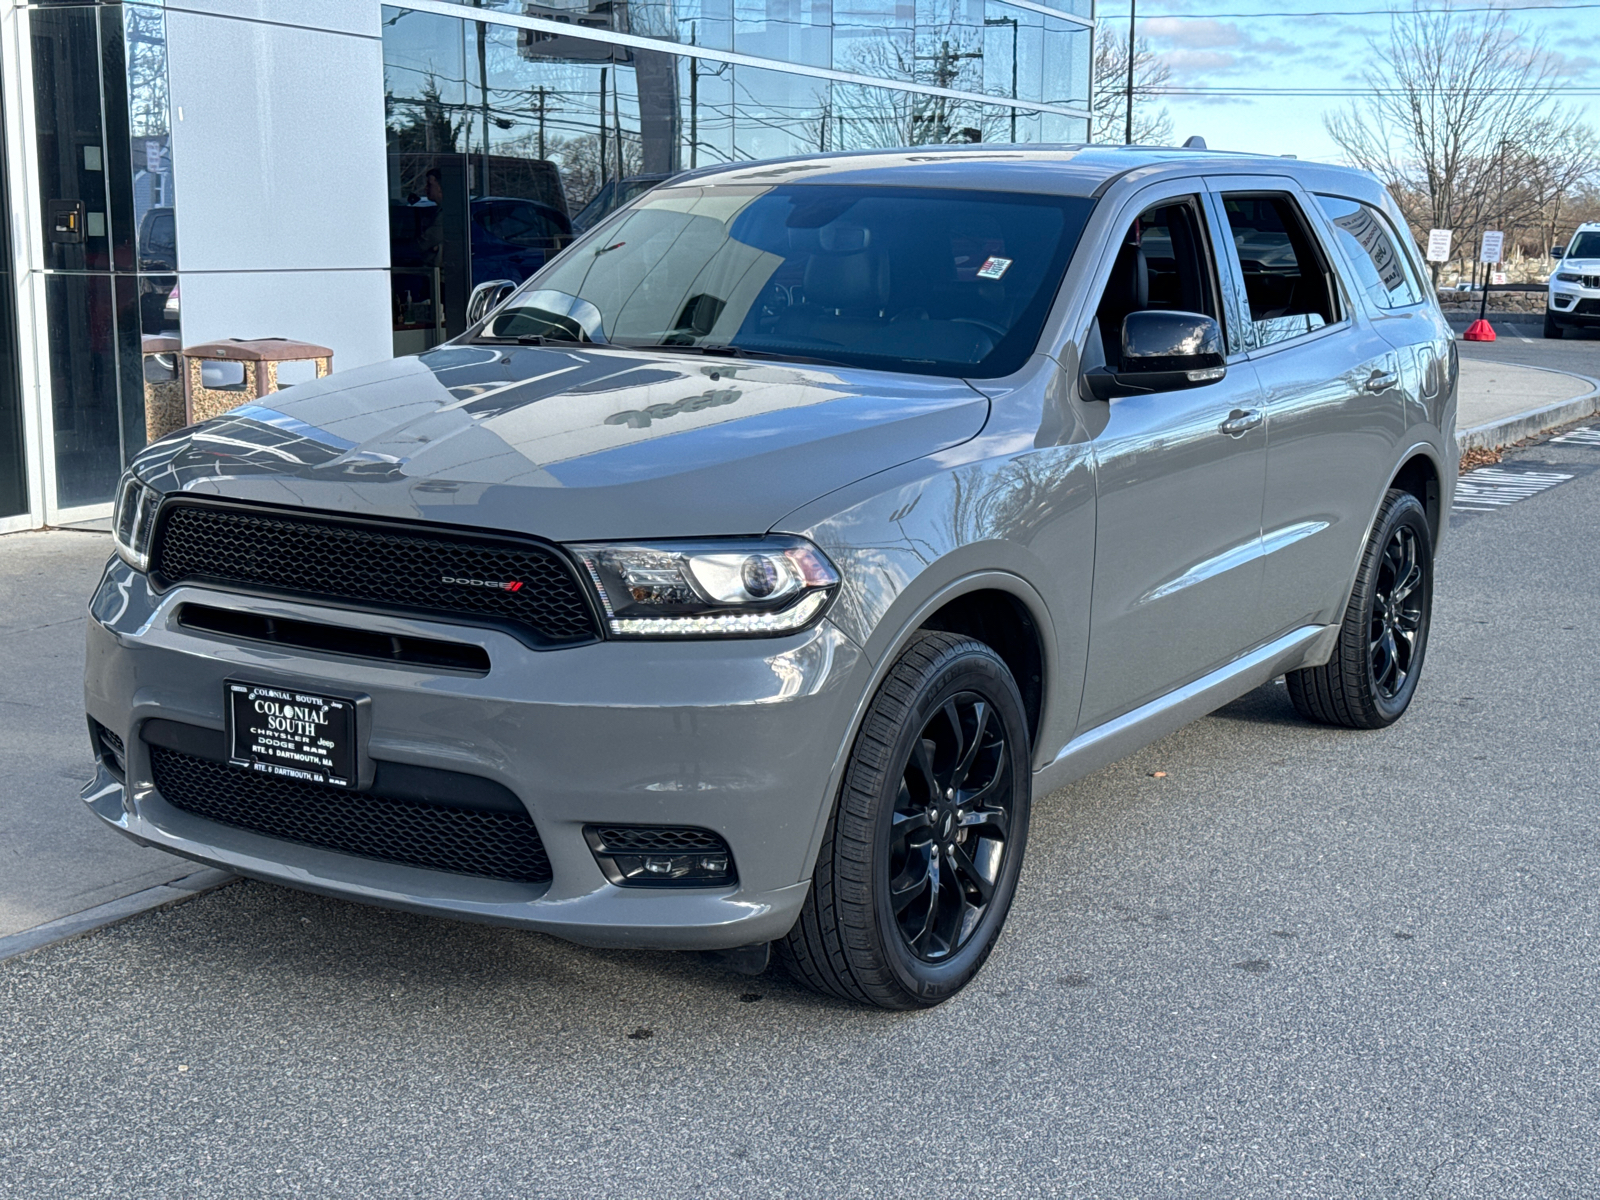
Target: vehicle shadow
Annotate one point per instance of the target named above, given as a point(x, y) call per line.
point(1269, 704)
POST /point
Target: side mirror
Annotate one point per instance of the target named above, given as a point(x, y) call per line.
point(487, 297)
point(1162, 351)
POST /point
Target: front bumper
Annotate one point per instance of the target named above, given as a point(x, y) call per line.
point(1573, 307)
point(743, 737)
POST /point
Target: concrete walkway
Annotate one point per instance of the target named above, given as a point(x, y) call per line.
point(1498, 404)
point(55, 858)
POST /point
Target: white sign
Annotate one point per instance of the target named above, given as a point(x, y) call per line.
point(152, 156)
point(1498, 278)
point(1493, 242)
point(1438, 245)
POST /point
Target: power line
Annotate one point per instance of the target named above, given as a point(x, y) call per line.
point(1354, 12)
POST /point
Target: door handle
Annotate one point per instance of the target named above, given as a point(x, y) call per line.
point(1241, 421)
point(1380, 381)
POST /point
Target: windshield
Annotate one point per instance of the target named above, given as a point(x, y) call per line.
point(1585, 245)
point(932, 281)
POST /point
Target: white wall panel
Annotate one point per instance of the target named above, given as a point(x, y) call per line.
point(279, 150)
point(340, 16)
point(347, 311)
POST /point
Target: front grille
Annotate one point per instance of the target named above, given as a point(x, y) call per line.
point(1588, 308)
point(465, 841)
point(335, 639)
point(374, 564)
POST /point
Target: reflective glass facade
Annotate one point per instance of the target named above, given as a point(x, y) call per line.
point(105, 202)
point(510, 134)
point(356, 168)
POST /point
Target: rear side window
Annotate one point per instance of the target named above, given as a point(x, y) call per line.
point(1285, 280)
point(1381, 267)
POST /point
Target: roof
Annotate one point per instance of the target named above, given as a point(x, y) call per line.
point(1053, 169)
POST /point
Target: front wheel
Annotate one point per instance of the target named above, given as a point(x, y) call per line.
point(1373, 673)
point(921, 855)
point(1551, 329)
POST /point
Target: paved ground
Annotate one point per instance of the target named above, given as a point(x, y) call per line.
point(1303, 962)
point(55, 858)
point(1577, 352)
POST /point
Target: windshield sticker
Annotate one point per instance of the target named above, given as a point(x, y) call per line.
point(994, 267)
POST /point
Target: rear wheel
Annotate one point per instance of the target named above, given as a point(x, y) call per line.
point(921, 855)
point(1551, 329)
point(1373, 673)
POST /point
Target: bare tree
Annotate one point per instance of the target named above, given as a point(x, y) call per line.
point(943, 54)
point(1461, 115)
point(1150, 77)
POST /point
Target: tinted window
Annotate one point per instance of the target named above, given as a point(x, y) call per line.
point(520, 224)
point(1285, 283)
point(1369, 242)
point(1162, 263)
point(1585, 245)
point(938, 282)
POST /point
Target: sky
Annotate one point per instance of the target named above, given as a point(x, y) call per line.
point(1234, 47)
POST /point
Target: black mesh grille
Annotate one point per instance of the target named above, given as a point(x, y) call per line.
point(377, 565)
point(1588, 308)
point(657, 839)
point(109, 738)
point(495, 845)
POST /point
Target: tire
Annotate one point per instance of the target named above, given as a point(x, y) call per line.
point(1369, 682)
point(947, 716)
point(1551, 329)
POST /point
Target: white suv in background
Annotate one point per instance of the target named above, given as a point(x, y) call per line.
point(1574, 298)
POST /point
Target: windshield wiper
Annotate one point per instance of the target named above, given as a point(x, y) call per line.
point(722, 350)
point(526, 339)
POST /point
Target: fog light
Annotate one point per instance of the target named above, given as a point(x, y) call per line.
point(660, 855)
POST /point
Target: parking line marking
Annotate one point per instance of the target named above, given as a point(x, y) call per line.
point(1490, 488)
point(1584, 435)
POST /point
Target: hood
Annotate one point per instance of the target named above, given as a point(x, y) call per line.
point(569, 444)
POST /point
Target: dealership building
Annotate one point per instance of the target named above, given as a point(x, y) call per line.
point(342, 173)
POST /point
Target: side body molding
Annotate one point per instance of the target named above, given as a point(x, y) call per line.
point(1120, 737)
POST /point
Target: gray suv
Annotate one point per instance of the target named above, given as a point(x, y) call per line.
point(738, 582)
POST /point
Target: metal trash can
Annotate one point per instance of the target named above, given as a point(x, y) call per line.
point(163, 387)
point(221, 375)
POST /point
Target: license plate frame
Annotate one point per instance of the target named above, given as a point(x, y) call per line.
point(293, 733)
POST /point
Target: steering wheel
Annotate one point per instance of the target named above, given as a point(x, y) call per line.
point(987, 326)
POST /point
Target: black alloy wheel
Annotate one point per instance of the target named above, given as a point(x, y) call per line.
point(951, 825)
point(921, 855)
point(1397, 614)
point(1372, 675)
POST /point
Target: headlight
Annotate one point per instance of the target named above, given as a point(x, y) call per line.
point(134, 518)
point(1568, 277)
point(750, 588)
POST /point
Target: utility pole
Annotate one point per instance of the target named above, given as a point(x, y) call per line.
point(694, 104)
point(1011, 21)
point(541, 120)
point(1133, 10)
point(603, 126)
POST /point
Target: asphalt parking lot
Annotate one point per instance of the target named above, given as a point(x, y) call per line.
point(1258, 959)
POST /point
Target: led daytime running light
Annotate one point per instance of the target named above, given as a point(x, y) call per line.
point(134, 520)
point(792, 617)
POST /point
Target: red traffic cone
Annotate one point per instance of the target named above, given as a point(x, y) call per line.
point(1478, 331)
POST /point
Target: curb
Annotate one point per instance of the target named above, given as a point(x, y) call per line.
point(113, 912)
point(1493, 435)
